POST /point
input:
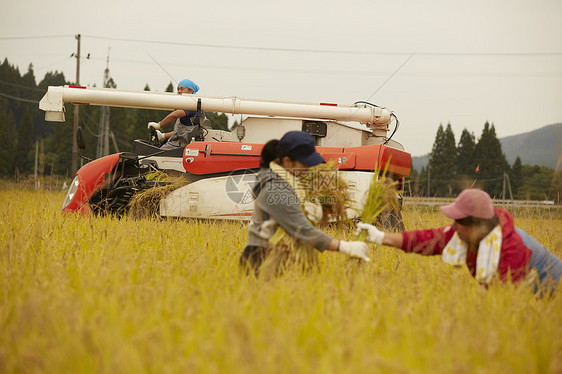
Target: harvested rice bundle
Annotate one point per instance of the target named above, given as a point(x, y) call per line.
point(381, 197)
point(286, 254)
point(145, 204)
point(324, 185)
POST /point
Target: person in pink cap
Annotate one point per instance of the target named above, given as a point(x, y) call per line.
point(482, 238)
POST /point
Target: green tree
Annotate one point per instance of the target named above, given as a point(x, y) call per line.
point(28, 78)
point(420, 185)
point(219, 121)
point(491, 161)
point(8, 129)
point(170, 87)
point(555, 189)
point(52, 79)
point(466, 163)
point(58, 146)
point(443, 162)
point(24, 155)
point(535, 181)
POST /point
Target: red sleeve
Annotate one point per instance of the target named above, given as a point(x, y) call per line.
point(427, 242)
point(515, 256)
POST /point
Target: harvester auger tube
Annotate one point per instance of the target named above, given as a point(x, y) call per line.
point(53, 105)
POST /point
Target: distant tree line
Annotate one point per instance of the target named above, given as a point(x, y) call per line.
point(453, 167)
point(23, 126)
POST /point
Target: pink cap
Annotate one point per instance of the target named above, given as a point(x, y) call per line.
point(470, 203)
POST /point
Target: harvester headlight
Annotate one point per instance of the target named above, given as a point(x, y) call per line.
point(71, 192)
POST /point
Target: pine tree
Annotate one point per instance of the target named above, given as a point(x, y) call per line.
point(52, 79)
point(24, 150)
point(7, 128)
point(218, 121)
point(491, 161)
point(28, 78)
point(443, 162)
point(466, 163)
point(170, 87)
point(465, 152)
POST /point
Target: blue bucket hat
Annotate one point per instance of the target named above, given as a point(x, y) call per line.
point(299, 145)
point(188, 83)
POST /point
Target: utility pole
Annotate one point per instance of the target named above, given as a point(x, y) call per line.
point(76, 113)
point(36, 159)
point(428, 176)
point(506, 179)
point(104, 133)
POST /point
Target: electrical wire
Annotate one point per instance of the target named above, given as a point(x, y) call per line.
point(324, 51)
point(297, 50)
point(21, 86)
point(19, 98)
point(35, 37)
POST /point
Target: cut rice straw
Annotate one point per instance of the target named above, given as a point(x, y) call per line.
point(381, 196)
point(146, 203)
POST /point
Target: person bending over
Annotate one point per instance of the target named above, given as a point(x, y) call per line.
point(277, 202)
point(482, 238)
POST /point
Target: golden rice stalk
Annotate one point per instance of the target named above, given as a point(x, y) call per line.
point(145, 204)
point(381, 197)
point(324, 185)
point(286, 254)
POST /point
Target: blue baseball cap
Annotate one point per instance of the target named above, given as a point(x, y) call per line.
point(188, 83)
point(299, 145)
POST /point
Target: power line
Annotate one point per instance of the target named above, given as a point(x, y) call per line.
point(297, 50)
point(22, 86)
point(19, 98)
point(54, 63)
point(325, 51)
point(35, 37)
point(430, 74)
point(389, 77)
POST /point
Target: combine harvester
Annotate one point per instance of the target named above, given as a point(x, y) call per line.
point(221, 165)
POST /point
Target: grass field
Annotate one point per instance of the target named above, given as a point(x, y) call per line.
point(83, 295)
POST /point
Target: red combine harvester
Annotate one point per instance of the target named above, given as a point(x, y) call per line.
point(220, 165)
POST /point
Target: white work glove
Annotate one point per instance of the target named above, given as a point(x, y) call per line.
point(268, 228)
point(374, 235)
point(313, 211)
point(154, 125)
point(354, 249)
point(160, 135)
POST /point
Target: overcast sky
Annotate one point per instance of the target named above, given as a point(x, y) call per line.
point(431, 62)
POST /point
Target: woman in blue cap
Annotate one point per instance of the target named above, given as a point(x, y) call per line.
point(183, 126)
point(278, 204)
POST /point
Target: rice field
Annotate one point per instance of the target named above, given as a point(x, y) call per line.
point(85, 295)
